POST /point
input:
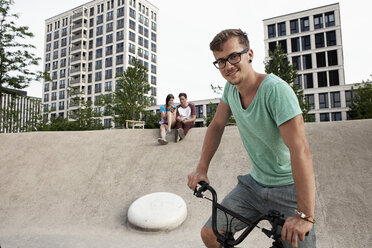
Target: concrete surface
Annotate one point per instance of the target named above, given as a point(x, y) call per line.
point(73, 189)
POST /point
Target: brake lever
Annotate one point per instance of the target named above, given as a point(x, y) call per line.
point(202, 188)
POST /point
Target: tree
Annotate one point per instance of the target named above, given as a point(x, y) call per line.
point(280, 66)
point(84, 117)
point(361, 103)
point(15, 57)
point(129, 99)
point(212, 108)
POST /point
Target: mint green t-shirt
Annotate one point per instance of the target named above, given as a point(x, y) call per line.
point(275, 103)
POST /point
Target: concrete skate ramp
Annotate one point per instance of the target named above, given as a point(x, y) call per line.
point(73, 189)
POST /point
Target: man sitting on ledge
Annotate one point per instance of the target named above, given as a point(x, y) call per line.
point(186, 116)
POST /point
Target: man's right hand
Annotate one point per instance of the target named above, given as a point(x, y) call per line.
point(195, 177)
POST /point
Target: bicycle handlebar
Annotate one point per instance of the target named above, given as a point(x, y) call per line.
point(228, 240)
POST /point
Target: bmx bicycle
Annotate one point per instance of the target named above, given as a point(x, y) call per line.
point(227, 238)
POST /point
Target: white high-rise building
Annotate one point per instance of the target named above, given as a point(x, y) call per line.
point(87, 46)
point(312, 39)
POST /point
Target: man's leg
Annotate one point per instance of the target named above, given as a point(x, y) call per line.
point(242, 200)
point(284, 200)
point(187, 127)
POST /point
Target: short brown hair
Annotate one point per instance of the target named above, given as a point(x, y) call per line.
point(182, 94)
point(225, 35)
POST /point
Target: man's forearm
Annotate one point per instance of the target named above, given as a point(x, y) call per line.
point(210, 145)
point(303, 175)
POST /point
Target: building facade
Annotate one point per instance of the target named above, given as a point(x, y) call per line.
point(19, 113)
point(86, 47)
point(313, 42)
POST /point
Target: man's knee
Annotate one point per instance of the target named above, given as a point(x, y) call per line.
point(208, 237)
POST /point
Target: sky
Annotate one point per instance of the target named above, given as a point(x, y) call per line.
point(185, 29)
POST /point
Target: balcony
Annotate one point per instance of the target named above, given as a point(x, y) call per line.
point(79, 25)
point(79, 36)
point(78, 59)
point(77, 80)
point(78, 47)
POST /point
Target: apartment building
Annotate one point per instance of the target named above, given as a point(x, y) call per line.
point(313, 41)
point(19, 111)
point(86, 47)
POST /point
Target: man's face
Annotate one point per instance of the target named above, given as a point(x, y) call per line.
point(235, 73)
point(183, 101)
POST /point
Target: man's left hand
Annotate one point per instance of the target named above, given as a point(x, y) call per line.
point(294, 228)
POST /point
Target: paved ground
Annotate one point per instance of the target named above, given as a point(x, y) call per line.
point(73, 189)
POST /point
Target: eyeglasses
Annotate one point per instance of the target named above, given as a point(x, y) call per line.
point(233, 59)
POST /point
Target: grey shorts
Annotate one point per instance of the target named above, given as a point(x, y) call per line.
point(250, 199)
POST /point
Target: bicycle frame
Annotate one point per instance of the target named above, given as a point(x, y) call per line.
point(227, 239)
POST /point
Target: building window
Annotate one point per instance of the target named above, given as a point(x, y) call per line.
point(294, 26)
point(298, 81)
point(120, 23)
point(108, 74)
point(99, 19)
point(108, 62)
point(98, 76)
point(283, 45)
point(153, 69)
point(323, 100)
point(272, 46)
point(109, 50)
point(107, 123)
point(109, 38)
point(305, 24)
point(132, 36)
point(120, 12)
point(324, 117)
point(199, 111)
point(322, 79)
point(119, 47)
point(318, 21)
point(110, 15)
point(310, 100)
point(335, 99)
point(320, 59)
point(332, 58)
point(61, 95)
point(295, 44)
point(336, 116)
point(271, 30)
point(333, 78)
point(99, 53)
point(99, 41)
point(153, 80)
point(97, 88)
point(348, 98)
point(307, 62)
point(308, 81)
point(119, 59)
point(331, 38)
point(296, 62)
point(319, 40)
point(281, 29)
point(108, 86)
point(329, 19)
point(61, 106)
point(98, 64)
point(132, 25)
point(306, 45)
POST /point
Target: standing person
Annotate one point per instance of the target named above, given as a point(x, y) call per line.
point(168, 118)
point(271, 127)
point(186, 116)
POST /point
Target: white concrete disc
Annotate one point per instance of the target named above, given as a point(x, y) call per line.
point(158, 211)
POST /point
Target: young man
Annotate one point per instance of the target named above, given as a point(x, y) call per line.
point(271, 127)
point(186, 116)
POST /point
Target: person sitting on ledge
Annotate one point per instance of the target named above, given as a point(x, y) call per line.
point(168, 119)
point(186, 116)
